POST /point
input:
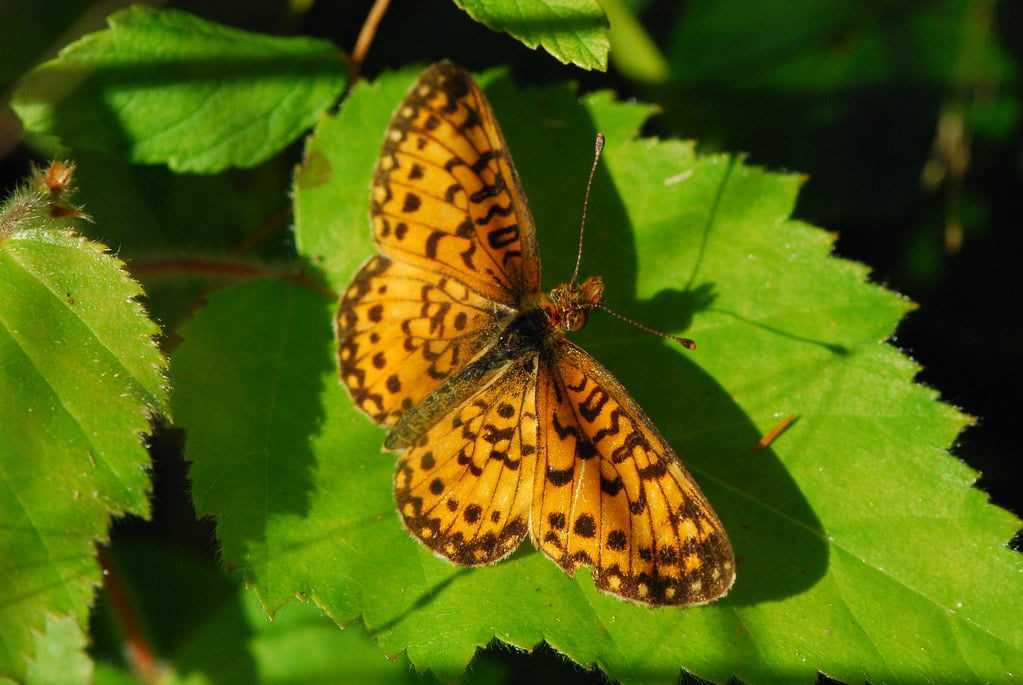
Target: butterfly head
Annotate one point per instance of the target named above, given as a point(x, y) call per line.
point(570, 303)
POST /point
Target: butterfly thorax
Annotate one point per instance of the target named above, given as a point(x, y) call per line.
point(545, 316)
point(568, 306)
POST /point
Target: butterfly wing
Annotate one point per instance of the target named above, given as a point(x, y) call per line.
point(464, 485)
point(458, 247)
point(446, 196)
point(610, 493)
point(402, 330)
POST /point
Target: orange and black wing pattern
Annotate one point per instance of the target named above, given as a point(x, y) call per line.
point(503, 427)
point(610, 493)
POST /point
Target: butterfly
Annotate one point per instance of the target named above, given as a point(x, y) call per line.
point(505, 428)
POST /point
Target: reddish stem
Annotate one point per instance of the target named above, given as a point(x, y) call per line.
point(137, 649)
point(221, 269)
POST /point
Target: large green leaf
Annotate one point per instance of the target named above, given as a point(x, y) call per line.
point(165, 87)
point(863, 551)
point(572, 31)
point(80, 374)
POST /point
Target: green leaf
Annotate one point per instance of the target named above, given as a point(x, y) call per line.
point(59, 655)
point(301, 645)
point(634, 53)
point(80, 373)
point(334, 178)
point(572, 31)
point(165, 87)
point(863, 551)
point(241, 418)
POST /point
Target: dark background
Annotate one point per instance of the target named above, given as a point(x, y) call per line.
point(852, 94)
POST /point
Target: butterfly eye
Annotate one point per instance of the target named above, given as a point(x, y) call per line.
point(576, 319)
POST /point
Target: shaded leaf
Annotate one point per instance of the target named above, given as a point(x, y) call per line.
point(191, 632)
point(758, 45)
point(165, 87)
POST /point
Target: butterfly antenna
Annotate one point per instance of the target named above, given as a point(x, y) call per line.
point(598, 147)
point(684, 342)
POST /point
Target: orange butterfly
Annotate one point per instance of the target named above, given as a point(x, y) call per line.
point(505, 427)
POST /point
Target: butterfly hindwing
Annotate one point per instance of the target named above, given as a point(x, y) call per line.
point(464, 486)
point(610, 492)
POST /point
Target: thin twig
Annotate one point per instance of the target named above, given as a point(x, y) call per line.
point(137, 649)
point(366, 36)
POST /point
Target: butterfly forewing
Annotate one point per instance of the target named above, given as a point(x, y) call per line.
point(446, 196)
point(504, 426)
